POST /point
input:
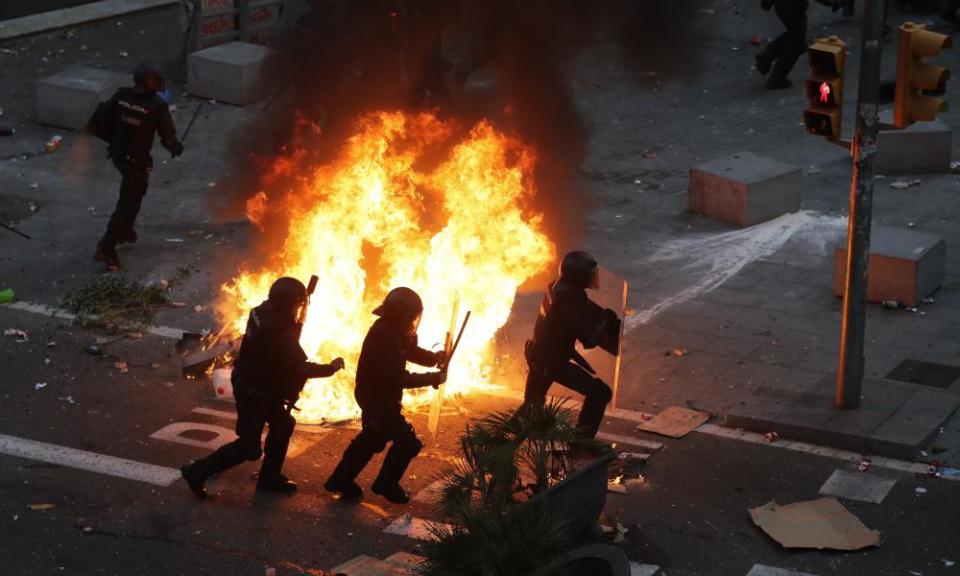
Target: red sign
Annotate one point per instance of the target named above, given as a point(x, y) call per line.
point(824, 92)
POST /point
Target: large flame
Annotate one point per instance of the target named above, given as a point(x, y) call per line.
point(410, 200)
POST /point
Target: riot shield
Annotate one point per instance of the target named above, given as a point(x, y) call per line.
point(605, 358)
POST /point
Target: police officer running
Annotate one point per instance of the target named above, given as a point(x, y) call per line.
point(567, 315)
point(381, 378)
point(127, 122)
point(782, 53)
point(268, 375)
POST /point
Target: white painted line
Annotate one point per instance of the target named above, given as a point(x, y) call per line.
point(629, 440)
point(89, 461)
point(175, 432)
point(308, 428)
point(72, 16)
point(44, 310)
point(643, 569)
point(861, 486)
point(761, 570)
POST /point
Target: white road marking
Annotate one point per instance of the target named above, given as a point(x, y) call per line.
point(44, 310)
point(861, 486)
point(89, 461)
point(175, 431)
point(643, 569)
point(308, 428)
point(761, 570)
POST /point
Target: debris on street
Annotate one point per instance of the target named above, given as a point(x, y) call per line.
point(771, 437)
point(904, 184)
point(20, 335)
point(41, 507)
point(39, 385)
point(6, 295)
point(819, 524)
point(675, 422)
point(122, 367)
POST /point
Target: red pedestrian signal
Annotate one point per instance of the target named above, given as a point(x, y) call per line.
point(824, 87)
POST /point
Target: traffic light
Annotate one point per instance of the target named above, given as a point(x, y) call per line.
point(824, 88)
point(914, 75)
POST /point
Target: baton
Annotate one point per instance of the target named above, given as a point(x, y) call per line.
point(460, 335)
point(192, 120)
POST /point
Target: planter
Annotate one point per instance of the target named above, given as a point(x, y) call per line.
point(577, 500)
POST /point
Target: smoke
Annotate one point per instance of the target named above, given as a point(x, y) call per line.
point(507, 60)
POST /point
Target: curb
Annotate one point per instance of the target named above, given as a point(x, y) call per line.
point(55, 19)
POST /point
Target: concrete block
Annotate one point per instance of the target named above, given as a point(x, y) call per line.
point(745, 189)
point(67, 99)
point(920, 148)
point(905, 265)
point(233, 73)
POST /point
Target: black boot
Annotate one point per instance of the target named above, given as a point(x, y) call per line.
point(392, 492)
point(108, 255)
point(348, 489)
point(762, 64)
point(195, 479)
point(355, 457)
point(130, 236)
point(279, 484)
point(395, 464)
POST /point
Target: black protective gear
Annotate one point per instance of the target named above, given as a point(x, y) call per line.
point(348, 489)
point(136, 114)
point(279, 484)
point(381, 379)
point(400, 302)
point(288, 294)
point(147, 75)
point(579, 269)
point(782, 53)
point(194, 480)
point(108, 255)
point(595, 391)
point(269, 372)
point(567, 315)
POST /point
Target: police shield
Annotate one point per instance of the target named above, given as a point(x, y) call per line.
point(605, 358)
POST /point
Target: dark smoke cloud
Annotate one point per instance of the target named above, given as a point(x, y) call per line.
point(503, 59)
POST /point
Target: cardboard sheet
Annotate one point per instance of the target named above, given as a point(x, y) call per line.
point(819, 524)
point(675, 422)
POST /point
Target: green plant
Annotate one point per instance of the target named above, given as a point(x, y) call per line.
point(115, 301)
point(508, 458)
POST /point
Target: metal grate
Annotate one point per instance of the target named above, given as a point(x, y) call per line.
point(925, 373)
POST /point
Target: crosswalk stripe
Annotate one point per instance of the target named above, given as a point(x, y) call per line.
point(761, 570)
point(89, 461)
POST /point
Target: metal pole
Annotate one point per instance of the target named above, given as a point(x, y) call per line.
point(850, 370)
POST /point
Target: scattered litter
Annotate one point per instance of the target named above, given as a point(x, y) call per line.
point(706, 11)
point(211, 184)
point(650, 155)
point(178, 304)
point(198, 308)
point(168, 384)
point(813, 171)
point(679, 352)
point(124, 54)
point(955, 167)
point(39, 385)
point(6, 295)
point(122, 367)
point(920, 490)
point(771, 437)
point(93, 350)
point(950, 473)
point(904, 184)
point(675, 422)
point(911, 224)
point(68, 399)
point(271, 572)
point(948, 563)
point(819, 524)
point(755, 41)
point(53, 144)
point(32, 206)
point(34, 185)
point(418, 528)
point(20, 335)
point(891, 304)
point(616, 485)
point(911, 309)
point(633, 456)
point(174, 240)
point(621, 531)
point(42, 507)
point(928, 300)
point(864, 465)
point(606, 529)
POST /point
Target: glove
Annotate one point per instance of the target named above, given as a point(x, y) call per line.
point(177, 150)
point(438, 378)
point(337, 364)
point(439, 358)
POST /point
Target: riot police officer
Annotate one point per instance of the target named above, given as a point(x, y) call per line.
point(268, 375)
point(128, 122)
point(567, 315)
point(381, 379)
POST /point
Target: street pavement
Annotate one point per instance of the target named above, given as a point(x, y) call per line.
point(750, 309)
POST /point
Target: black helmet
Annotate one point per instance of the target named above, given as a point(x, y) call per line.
point(580, 270)
point(400, 303)
point(149, 77)
point(288, 293)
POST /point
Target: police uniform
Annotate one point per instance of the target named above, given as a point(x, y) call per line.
point(782, 53)
point(269, 373)
point(128, 122)
point(566, 316)
point(381, 379)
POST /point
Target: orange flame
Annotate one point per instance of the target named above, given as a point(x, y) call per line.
point(409, 201)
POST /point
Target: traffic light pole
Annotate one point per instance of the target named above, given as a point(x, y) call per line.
point(864, 148)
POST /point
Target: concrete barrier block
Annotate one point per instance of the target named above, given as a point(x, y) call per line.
point(905, 265)
point(922, 147)
point(67, 99)
point(232, 73)
point(745, 189)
